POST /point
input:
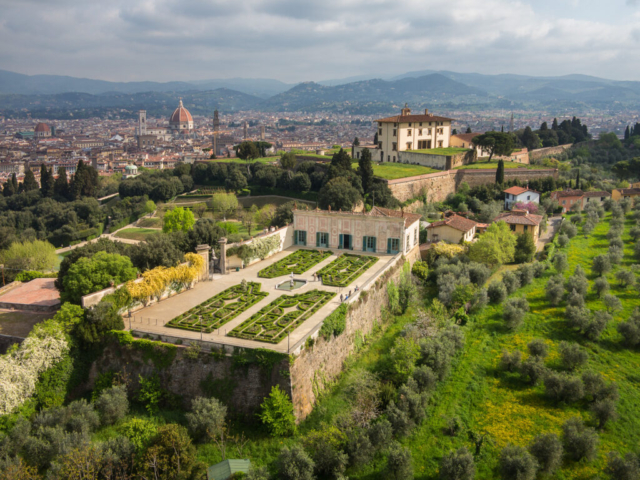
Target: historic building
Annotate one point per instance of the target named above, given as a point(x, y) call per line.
point(381, 230)
point(42, 130)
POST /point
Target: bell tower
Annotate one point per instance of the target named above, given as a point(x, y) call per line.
point(142, 122)
point(216, 127)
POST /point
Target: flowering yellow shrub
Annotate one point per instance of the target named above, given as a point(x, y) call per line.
point(449, 250)
point(156, 281)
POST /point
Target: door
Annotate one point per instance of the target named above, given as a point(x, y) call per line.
point(340, 241)
point(369, 244)
point(300, 237)
point(347, 242)
point(322, 239)
point(393, 245)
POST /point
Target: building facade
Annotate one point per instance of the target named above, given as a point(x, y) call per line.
point(453, 229)
point(519, 195)
point(381, 230)
point(521, 221)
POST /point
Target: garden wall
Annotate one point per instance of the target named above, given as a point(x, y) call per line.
point(545, 152)
point(6, 341)
point(484, 176)
point(317, 366)
point(241, 381)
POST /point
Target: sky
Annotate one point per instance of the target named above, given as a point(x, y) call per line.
point(302, 40)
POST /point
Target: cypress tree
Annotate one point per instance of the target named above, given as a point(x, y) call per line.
point(61, 185)
point(627, 134)
point(544, 127)
point(578, 180)
point(365, 169)
point(356, 142)
point(14, 181)
point(46, 181)
point(500, 172)
point(468, 130)
point(554, 125)
point(8, 189)
point(636, 129)
point(30, 181)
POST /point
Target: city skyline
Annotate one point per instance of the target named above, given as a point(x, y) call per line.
point(293, 42)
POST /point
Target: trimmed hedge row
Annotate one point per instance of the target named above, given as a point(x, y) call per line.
point(298, 262)
point(345, 269)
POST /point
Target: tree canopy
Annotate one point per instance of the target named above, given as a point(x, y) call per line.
point(178, 219)
point(338, 194)
point(496, 143)
point(495, 247)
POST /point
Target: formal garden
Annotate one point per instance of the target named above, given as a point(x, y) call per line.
point(220, 309)
point(273, 322)
point(298, 262)
point(345, 269)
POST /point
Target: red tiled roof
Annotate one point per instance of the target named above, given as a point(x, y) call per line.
point(567, 193)
point(466, 137)
point(42, 127)
point(455, 221)
point(597, 194)
point(409, 218)
point(517, 190)
point(629, 191)
point(180, 115)
point(413, 118)
point(517, 218)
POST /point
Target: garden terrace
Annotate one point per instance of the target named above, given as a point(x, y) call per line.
point(273, 322)
point(219, 309)
point(345, 269)
point(298, 263)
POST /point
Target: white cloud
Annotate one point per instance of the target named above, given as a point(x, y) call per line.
point(297, 40)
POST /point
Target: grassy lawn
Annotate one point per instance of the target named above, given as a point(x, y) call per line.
point(392, 171)
point(442, 151)
point(153, 222)
point(135, 233)
point(494, 164)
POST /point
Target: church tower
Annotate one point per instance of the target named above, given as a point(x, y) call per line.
point(216, 127)
point(142, 122)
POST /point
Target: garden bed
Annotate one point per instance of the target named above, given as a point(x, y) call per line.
point(345, 269)
point(219, 309)
point(298, 262)
point(272, 323)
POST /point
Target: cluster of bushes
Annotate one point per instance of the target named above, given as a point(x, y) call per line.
point(563, 387)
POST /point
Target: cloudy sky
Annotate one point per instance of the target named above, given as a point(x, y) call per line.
point(298, 40)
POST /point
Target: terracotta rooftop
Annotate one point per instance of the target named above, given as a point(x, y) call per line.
point(455, 221)
point(466, 137)
point(519, 217)
point(180, 115)
point(517, 190)
point(409, 218)
point(597, 194)
point(629, 191)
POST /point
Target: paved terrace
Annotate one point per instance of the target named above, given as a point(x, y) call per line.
point(152, 319)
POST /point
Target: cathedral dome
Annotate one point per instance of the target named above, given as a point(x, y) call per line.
point(180, 115)
point(43, 127)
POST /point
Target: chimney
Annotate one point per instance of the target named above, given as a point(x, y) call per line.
point(426, 111)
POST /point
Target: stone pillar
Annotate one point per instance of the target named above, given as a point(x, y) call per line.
point(223, 255)
point(203, 251)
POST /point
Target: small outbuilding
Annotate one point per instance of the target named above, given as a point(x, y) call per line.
point(226, 468)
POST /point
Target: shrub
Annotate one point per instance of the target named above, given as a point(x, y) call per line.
point(615, 255)
point(399, 419)
point(478, 273)
point(539, 268)
point(112, 404)
point(600, 286)
point(277, 413)
point(563, 240)
point(578, 282)
point(563, 388)
point(404, 355)
point(533, 368)
point(453, 426)
point(399, 465)
point(630, 330)
point(436, 355)
point(623, 468)
point(324, 448)
point(604, 411)
point(601, 265)
point(572, 356)
point(547, 450)
point(597, 325)
point(511, 361)
point(577, 317)
point(569, 229)
point(479, 301)
point(139, 431)
point(335, 323)
point(517, 464)
point(525, 274)
point(514, 311)
point(537, 348)
point(612, 303)
point(150, 393)
point(294, 464)
point(380, 434)
point(425, 378)
point(579, 441)
point(458, 465)
point(206, 419)
point(511, 282)
point(525, 248)
point(555, 289)
point(421, 270)
point(625, 278)
point(359, 448)
point(560, 262)
point(257, 473)
point(497, 292)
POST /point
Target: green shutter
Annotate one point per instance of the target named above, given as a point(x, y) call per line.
point(317, 239)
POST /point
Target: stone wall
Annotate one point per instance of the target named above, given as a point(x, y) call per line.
point(545, 152)
point(319, 365)
point(435, 185)
point(484, 176)
point(240, 384)
point(6, 341)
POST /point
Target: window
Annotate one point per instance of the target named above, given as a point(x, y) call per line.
point(528, 197)
point(395, 124)
point(322, 239)
point(379, 131)
point(300, 237)
point(394, 158)
point(526, 227)
point(358, 155)
point(439, 143)
point(393, 245)
point(380, 145)
point(408, 145)
point(415, 236)
point(420, 132)
point(408, 244)
point(394, 146)
point(395, 132)
point(564, 202)
point(513, 228)
point(440, 131)
point(409, 123)
point(428, 131)
point(409, 131)
point(388, 158)
point(420, 123)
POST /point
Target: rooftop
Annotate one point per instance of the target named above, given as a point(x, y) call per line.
point(455, 221)
point(517, 190)
point(519, 217)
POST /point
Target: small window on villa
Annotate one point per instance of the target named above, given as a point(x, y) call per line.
point(420, 123)
point(528, 197)
point(526, 228)
point(395, 132)
point(394, 146)
point(409, 132)
point(380, 131)
point(513, 228)
point(409, 123)
point(420, 132)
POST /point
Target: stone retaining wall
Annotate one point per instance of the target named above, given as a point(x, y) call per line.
point(545, 152)
point(6, 341)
